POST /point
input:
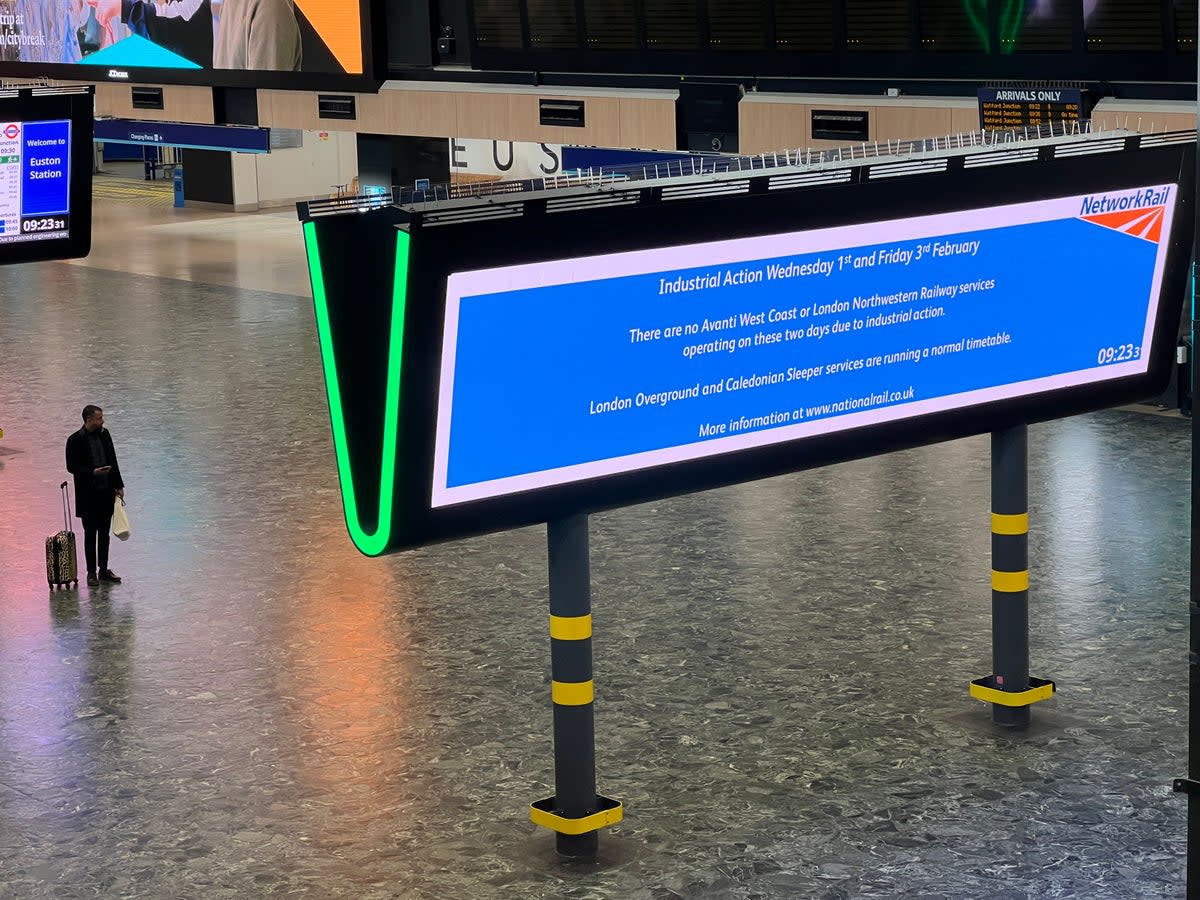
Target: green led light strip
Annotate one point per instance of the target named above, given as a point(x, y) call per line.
point(1012, 18)
point(976, 13)
point(370, 543)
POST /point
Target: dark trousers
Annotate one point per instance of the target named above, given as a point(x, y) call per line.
point(96, 535)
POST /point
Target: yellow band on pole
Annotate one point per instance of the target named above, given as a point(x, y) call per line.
point(571, 628)
point(1004, 698)
point(1018, 524)
point(1010, 582)
point(562, 825)
point(572, 693)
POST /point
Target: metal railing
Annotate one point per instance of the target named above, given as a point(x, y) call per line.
point(719, 167)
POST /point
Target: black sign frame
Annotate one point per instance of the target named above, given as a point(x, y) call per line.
point(34, 105)
point(357, 252)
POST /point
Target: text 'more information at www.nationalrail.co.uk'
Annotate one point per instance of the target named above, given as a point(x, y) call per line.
point(570, 369)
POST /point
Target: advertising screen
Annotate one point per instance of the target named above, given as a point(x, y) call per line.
point(205, 41)
point(556, 372)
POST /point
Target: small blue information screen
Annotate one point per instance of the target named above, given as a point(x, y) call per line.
point(566, 370)
point(35, 180)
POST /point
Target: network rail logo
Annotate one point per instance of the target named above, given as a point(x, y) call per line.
point(1137, 213)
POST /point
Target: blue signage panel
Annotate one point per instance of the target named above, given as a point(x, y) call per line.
point(45, 168)
point(555, 372)
point(233, 138)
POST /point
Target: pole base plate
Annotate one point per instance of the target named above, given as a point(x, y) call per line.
point(985, 689)
point(610, 812)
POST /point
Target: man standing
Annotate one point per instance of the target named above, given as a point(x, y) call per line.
point(93, 461)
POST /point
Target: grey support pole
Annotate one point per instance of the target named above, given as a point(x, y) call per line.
point(575, 811)
point(1009, 688)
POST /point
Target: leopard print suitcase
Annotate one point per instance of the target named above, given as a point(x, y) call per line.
point(62, 565)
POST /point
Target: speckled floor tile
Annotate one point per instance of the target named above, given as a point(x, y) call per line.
point(781, 667)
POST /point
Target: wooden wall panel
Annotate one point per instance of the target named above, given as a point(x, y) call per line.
point(291, 109)
point(784, 124)
point(180, 104)
point(964, 119)
point(601, 117)
point(610, 121)
point(772, 126)
point(893, 122)
point(105, 99)
point(420, 113)
point(482, 115)
point(1146, 119)
point(374, 115)
point(602, 124)
point(647, 124)
point(523, 120)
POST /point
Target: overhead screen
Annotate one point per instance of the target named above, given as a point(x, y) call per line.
point(567, 370)
point(485, 373)
point(45, 177)
point(887, 41)
point(242, 42)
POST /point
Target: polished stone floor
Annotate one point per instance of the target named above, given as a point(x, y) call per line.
point(781, 667)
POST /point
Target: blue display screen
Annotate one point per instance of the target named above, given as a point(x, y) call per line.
point(573, 369)
point(45, 168)
point(35, 180)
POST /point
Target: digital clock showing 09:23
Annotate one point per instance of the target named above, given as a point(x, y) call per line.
point(35, 224)
point(1122, 353)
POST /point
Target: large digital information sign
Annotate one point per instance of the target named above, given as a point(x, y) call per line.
point(45, 176)
point(35, 180)
point(574, 369)
point(498, 367)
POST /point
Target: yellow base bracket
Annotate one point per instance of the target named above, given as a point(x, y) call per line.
point(611, 812)
point(1039, 689)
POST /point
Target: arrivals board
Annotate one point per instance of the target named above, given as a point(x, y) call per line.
point(1002, 109)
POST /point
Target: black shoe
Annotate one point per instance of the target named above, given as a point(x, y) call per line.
point(92, 580)
point(110, 576)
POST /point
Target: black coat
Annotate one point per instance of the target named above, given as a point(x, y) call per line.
point(88, 499)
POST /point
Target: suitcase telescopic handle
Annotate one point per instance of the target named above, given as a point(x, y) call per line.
point(66, 507)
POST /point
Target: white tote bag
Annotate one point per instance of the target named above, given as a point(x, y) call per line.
point(120, 521)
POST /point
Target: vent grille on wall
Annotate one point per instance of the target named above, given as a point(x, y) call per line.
point(1124, 26)
point(735, 25)
point(841, 125)
point(804, 25)
point(561, 112)
point(878, 26)
point(552, 25)
point(497, 24)
point(609, 25)
point(286, 138)
point(671, 25)
point(335, 106)
point(1185, 25)
point(147, 97)
point(953, 26)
